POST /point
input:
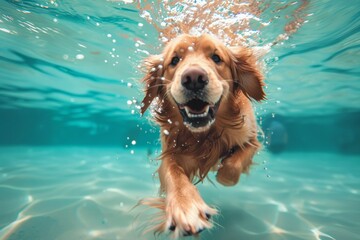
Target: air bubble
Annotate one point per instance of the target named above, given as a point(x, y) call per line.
point(80, 56)
point(133, 142)
point(164, 39)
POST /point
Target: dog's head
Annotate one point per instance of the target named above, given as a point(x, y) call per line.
point(196, 73)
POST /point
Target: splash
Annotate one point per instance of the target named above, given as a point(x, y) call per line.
point(234, 22)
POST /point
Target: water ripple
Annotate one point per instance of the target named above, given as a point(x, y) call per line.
point(35, 63)
point(58, 53)
point(297, 202)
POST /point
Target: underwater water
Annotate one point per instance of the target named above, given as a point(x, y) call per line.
point(76, 157)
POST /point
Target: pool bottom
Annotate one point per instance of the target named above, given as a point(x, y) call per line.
point(88, 193)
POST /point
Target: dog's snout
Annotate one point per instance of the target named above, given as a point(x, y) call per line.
point(194, 79)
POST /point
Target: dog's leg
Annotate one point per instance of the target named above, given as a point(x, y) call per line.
point(236, 163)
point(185, 211)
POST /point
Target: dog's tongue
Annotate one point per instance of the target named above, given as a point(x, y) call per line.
point(197, 111)
point(196, 106)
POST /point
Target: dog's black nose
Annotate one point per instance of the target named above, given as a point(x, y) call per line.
point(194, 78)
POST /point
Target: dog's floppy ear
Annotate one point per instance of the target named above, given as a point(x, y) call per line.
point(246, 74)
point(152, 79)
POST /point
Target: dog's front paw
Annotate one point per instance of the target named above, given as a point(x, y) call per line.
point(187, 214)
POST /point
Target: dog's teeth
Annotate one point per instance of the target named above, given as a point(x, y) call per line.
point(194, 115)
point(207, 109)
point(187, 111)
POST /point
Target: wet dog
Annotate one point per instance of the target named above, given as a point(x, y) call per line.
point(202, 92)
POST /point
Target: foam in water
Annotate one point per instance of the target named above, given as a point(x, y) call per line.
point(235, 23)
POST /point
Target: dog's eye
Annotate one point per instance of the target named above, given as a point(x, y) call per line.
point(174, 61)
point(216, 58)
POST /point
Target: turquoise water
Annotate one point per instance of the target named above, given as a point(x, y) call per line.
point(88, 193)
point(75, 156)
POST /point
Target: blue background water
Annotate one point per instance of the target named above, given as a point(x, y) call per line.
point(69, 94)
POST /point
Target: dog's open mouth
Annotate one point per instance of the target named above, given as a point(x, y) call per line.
point(198, 114)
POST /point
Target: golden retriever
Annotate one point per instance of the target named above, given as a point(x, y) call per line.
point(203, 92)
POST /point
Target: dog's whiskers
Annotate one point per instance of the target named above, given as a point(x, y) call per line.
point(160, 84)
point(167, 93)
point(156, 85)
